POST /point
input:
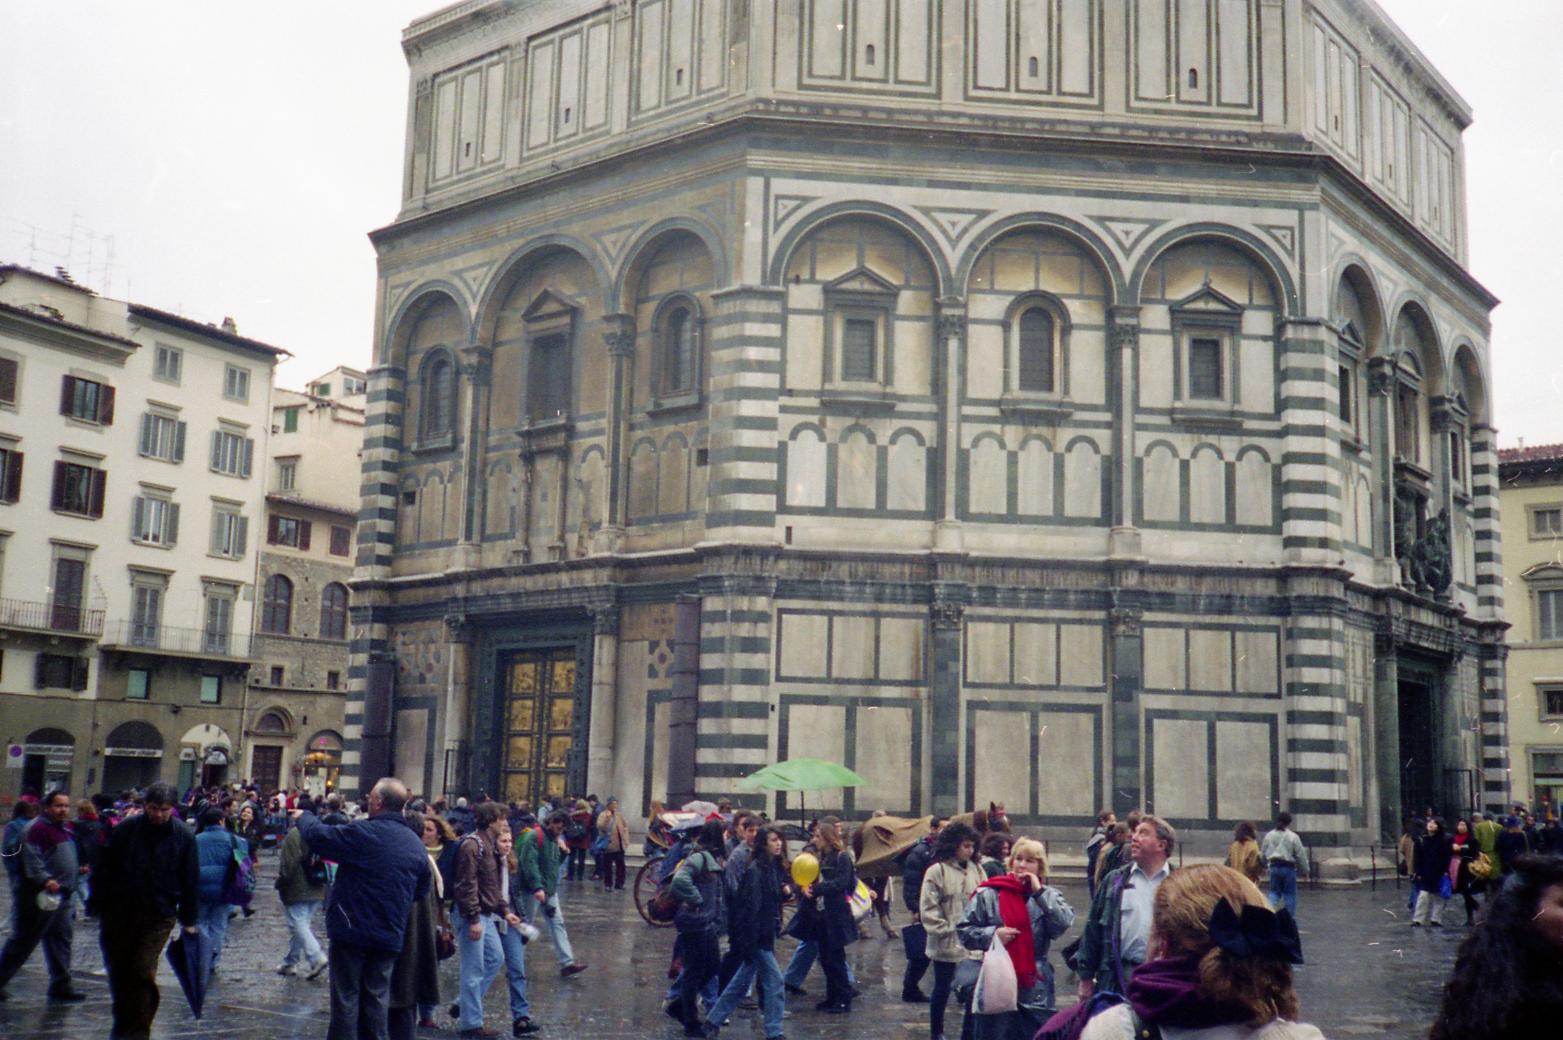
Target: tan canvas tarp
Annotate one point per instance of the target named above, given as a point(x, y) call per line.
point(881, 839)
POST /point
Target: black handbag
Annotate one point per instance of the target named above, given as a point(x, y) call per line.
point(444, 943)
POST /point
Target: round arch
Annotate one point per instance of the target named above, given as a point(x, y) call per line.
point(1076, 232)
point(1468, 365)
point(393, 350)
point(1413, 309)
point(645, 246)
point(781, 255)
point(1354, 271)
point(514, 267)
point(1280, 278)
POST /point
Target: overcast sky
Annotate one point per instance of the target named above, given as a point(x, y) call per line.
point(230, 159)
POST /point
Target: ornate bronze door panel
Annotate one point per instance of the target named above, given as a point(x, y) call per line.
point(540, 723)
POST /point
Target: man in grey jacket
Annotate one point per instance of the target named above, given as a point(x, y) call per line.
point(50, 869)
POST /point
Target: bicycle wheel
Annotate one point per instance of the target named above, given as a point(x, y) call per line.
point(645, 889)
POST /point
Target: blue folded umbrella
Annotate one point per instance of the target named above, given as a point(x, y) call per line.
point(190, 955)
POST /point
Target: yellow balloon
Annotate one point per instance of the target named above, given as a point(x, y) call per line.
point(805, 869)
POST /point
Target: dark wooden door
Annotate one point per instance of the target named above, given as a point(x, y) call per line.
point(266, 769)
point(68, 580)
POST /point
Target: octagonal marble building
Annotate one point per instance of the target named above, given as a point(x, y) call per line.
point(1067, 403)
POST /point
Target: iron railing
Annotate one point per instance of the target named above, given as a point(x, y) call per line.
point(50, 617)
point(196, 642)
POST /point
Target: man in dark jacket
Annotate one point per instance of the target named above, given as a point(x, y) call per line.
point(914, 864)
point(146, 878)
point(485, 920)
point(381, 868)
point(1512, 843)
point(538, 857)
point(49, 865)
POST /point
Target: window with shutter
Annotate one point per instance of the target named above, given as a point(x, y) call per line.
point(87, 400)
point(858, 350)
point(236, 383)
point(219, 619)
point(679, 347)
point(333, 611)
point(341, 540)
point(228, 533)
point(168, 365)
point(70, 576)
point(1205, 382)
point(277, 607)
point(78, 489)
point(232, 453)
point(10, 475)
point(10, 368)
point(162, 437)
point(439, 406)
point(1035, 368)
point(290, 420)
point(1549, 614)
point(146, 611)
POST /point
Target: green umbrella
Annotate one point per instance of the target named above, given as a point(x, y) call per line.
point(801, 774)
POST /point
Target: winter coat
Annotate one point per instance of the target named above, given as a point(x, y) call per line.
point(754, 914)
point(48, 853)
point(698, 888)
point(293, 884)
point(1117, 1023)
point(381, 869)
point(214, 849)
point(537, 863)
point(415, 977)
point(90, 836)
point(947, 888)
point(611, 825)
point(11, 846)
point(1098, 941)
point(1511, 846)
point(147, 871)
point(1432, 860)
point(1050, 917)
point(913, 866)
point(825, 916)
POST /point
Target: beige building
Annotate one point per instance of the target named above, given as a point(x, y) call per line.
point(1531, 501)
point(298, 688)
point(131, 441)
point(1014, 401)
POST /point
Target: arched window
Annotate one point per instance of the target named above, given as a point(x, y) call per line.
point(277, 606)
point(678, 350)
point(1035, 369)
point(439, 398)
point(333, 611)
point(272, 722)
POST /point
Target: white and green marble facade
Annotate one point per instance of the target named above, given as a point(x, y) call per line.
point(1107, 593)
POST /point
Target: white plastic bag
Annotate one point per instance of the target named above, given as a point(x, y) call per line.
point(997, 988)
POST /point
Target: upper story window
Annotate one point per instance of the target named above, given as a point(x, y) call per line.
point(438, 420)
point(232, 453)
point(287, 474)
point(277, 606)
point(10, 374)
point(321, 389)
point(78, 488)
point(677, 330)
point(1549, 614)
point(168, 365)
point(341, 540)
point(290, 420)
point(859, 330)
point(217, 631)
point(550, 338)
point(154, 519)
point(1546, 521)
point(1035, 341)
point(333, 611)
point(162, 437)
point(10, 472)
point(1206, 328)
point(352, 386)
point(289, 531)
point(236, 383)
point(230, 531)
point(87, 400)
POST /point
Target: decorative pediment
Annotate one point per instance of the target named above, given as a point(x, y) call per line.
point(1351, 333)
point(550, 305)
point(862, 282)
point(1209, 300)
point(1544, 572)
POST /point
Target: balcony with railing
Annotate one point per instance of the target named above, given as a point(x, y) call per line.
point(156, 638)
point(56, 618)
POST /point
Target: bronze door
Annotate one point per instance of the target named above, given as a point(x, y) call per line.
point(540, 730)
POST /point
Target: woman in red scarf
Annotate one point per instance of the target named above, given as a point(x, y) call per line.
point(1463, 853)
point(1024, 913)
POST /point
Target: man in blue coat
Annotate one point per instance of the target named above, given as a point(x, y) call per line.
point(381, 869)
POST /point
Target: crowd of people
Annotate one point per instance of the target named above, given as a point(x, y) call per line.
point(1196, 953)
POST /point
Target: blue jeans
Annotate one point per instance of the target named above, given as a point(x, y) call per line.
point(762, 965)
point(515, 971)
point(552, 924)
point(481, 960)
point(803, 959)
point(303, 947)
point(212, 919)
point(1283, 887)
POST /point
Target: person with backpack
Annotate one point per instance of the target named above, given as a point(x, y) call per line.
point(697, 885)
point(754, 914)
point(914, 940)
point(578, 839)
point(1096, 844)
point(226, 870)
point(538, 855)
point(948, 886)
point(301, 886)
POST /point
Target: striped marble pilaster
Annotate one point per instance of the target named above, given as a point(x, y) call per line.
point(734, 723)
point(1310, 478)
point(1317, 788)
point(745, 337)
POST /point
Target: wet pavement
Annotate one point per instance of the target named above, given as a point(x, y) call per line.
point(1368, 975)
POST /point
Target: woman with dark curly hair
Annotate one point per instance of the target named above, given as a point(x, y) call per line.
point(1507, 982)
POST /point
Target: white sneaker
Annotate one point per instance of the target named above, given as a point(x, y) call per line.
point(287, 969)
point(314, 970)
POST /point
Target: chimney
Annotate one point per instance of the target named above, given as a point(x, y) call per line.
point(63, 275)
point(230, 326)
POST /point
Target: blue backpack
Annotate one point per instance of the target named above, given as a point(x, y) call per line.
point(239, 887)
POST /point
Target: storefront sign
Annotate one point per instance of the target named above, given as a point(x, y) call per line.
point(133, 752)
